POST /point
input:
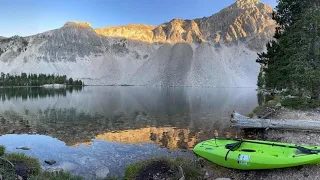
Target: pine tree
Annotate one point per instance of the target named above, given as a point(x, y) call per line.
point(292, 60)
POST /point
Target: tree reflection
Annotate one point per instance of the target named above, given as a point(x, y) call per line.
point(26, 93)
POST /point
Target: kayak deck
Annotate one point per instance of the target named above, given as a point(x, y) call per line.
point(253, 154)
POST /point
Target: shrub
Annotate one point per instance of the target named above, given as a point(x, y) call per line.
point(33, 165)
point(191, 168)
point(2, 150)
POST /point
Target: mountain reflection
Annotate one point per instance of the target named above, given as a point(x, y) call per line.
point(168, 137)
point(169, 117)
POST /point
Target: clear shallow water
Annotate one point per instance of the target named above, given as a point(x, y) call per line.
point(114, 126)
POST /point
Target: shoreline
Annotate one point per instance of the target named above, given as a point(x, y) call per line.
point(8, 87)
point(287, 136)
point(213, 171)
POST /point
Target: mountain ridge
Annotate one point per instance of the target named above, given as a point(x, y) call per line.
point(197, 30)
point(215, 51)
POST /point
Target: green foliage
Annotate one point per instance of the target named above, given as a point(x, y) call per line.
point(7, 170)
point(292, 60)
point(2, 150)
point(300, 103)
point(32, 164)
point(55, 176)
point(260, 80)
point(36, 80)
point(269, 102)
point(250, 115)
point(33, 168)
point(191, 168)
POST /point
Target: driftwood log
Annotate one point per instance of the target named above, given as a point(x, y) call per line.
point(244, 122)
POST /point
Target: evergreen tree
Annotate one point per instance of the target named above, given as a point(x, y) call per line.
point(36, 80)
point(293, 60)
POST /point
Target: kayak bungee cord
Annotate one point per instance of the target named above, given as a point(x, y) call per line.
point(300, 148)
point(231, 147)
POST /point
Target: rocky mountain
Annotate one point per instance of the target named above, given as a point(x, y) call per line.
point(242, 20)
point(215, 51)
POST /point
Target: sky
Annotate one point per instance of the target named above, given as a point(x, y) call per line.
point(28, 17)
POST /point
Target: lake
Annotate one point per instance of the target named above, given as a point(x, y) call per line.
point(86, 128)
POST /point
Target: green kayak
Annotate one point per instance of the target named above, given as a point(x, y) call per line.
point(254, 154)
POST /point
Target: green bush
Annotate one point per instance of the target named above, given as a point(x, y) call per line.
point(250, 115)
point(300, 103)
point(32, 164)
point(191, 168)
point(2, 150)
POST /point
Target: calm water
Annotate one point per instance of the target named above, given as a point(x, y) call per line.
point(84, 129)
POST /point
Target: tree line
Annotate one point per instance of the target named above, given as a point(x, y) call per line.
point(292, 60)
point(25, 79)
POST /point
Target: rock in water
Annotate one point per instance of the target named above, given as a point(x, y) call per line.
point(54, 171)
point(102, 172)
point(67, 166)
point(50, 161)
point(24, 148)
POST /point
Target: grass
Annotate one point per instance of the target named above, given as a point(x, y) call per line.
point(33, 165)
point(7, 170)
point(269, 101)
point(31, 168)
point(190, 168)
point(300, 103)
point(297, 101)
point(250, 115)
point(2, 150)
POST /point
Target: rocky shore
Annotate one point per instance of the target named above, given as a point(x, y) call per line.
point(297, 137)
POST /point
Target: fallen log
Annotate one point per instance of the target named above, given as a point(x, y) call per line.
point(244, 122)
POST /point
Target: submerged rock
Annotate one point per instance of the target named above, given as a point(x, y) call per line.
point(50, 161)
point(24, 148)
point(68, 166)
point(54, 171)
point(102, 172)
point(64, 166)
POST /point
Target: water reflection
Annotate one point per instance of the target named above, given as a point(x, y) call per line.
point(84, 160)
point(169, 117)
point(35, 92)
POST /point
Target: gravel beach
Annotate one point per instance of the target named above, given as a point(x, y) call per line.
point(297, 137)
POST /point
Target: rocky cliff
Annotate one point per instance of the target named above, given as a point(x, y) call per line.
point(215, 51)
point(243, 19)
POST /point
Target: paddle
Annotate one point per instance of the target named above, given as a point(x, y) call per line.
point(300, 148)
point(231, 147)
